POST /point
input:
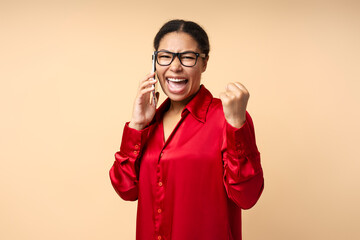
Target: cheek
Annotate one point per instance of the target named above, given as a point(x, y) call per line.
point(196, 75)
point(160, 73)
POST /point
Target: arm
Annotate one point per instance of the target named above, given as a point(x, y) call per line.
point(125, 170)
point(243, 176)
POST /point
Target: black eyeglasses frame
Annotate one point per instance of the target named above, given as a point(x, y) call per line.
point(178, 55)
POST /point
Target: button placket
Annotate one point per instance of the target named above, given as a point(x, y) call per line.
point(159, 197)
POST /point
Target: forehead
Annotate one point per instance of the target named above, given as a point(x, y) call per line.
point(178, 42)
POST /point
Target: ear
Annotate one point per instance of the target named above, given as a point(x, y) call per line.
point(205, 61)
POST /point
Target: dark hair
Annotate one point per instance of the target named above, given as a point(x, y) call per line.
point(189, 27)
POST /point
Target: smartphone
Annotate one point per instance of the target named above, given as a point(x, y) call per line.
point(152, 71)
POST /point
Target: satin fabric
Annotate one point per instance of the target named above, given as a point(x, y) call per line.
point(194, 185)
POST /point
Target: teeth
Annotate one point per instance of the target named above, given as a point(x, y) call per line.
point(175, 79)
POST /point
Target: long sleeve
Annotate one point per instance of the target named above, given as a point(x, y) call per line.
point(124, 172)
point(243, 176)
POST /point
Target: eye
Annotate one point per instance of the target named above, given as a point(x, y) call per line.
point(165, 56)
point(188, 56)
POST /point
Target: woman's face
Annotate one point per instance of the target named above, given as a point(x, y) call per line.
point(178, 82)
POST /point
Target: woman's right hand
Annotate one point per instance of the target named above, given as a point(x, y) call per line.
point(144, 109)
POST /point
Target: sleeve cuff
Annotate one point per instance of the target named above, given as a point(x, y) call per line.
point(241, 141)
point(133, 141)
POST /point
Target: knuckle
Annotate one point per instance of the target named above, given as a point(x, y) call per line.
point(232, 97)
point(238, 94)
point(231, 85)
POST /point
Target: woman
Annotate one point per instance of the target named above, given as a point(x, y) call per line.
point(193, 163)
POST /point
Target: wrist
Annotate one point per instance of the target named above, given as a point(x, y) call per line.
point(236, 123)
point(136, 126)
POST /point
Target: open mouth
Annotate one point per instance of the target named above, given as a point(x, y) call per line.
point(176, 85)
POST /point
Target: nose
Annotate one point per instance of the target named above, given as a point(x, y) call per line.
point(176, 66)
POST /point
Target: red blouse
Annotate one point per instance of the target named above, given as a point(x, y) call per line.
point(194, 185)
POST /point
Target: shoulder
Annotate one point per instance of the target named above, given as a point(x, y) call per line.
point(207, 96)
point(213, 104)
point(216, 104)
point(215, 111)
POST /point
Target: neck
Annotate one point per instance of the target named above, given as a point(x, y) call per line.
point(176, 107)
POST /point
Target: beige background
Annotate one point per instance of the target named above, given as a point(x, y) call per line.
point(69, 72)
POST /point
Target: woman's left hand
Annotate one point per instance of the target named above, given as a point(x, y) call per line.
point(234, 101)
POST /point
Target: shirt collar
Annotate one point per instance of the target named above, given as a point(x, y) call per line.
point(197, 106)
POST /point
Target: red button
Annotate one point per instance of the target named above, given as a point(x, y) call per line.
point(136, 146)
point(159, 210)
point(160, 184)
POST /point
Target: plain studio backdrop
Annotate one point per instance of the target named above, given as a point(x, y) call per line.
point(69, 71)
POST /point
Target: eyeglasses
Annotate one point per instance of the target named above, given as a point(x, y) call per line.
point(187, 59)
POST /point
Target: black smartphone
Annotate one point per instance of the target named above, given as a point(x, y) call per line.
point(153, 70)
